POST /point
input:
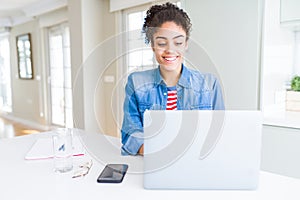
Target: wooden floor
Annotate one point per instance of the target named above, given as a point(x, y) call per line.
point(9, 129)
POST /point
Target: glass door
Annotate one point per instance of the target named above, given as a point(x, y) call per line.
point(5, 74)
point(60, 76)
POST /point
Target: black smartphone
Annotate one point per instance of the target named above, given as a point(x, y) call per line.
point(113, 173)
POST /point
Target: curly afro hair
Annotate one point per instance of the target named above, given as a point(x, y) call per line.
point(159, 14)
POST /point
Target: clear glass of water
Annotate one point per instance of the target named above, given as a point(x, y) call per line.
point(63, 150)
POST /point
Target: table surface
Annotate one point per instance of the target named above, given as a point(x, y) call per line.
point(35, 179)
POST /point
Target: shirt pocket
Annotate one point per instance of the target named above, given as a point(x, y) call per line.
point(200, 100)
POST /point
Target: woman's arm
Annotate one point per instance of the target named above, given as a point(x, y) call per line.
point(132, 127)
point(217, 96)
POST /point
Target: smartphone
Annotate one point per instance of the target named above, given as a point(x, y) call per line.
point(113, 173)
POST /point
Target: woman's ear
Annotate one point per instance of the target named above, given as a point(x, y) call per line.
point(186, 45)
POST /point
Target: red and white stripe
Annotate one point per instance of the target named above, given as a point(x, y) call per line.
point(172, 100)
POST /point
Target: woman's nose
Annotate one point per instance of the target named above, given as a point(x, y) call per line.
point(170, 48)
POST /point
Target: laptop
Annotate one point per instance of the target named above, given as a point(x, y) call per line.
point(201, 149)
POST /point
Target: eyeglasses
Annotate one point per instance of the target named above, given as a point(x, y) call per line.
point(84, 169)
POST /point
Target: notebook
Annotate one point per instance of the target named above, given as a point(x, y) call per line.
point(43, 149)
point(202, 149)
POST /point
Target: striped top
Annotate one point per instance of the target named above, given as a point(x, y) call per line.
point(172, 98)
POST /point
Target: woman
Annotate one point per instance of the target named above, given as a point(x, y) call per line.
point(171, 86)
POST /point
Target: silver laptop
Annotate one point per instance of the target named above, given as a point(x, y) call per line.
point(202, 149)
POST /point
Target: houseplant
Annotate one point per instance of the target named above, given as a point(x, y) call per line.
point(293, 95)
point(295, 83)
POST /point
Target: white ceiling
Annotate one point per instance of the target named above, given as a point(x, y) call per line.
point(13, 12)
point(14, 4)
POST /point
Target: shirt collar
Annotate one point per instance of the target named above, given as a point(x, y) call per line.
point(183, 81)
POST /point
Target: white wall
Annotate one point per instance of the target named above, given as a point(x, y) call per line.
point(91, 24)
point(26, 102)
point(230, 33)
point(297, 54)
point(75, 23)
point(278, 50)
point(92, 35)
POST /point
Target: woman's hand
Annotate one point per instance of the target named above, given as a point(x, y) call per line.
point(141, 150)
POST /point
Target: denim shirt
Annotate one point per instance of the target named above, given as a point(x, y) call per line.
point(146, 90)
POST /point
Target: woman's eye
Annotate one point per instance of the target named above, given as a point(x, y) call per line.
point(161, 44)
point(178, 43)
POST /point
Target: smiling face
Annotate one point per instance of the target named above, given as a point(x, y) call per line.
point(169, 44)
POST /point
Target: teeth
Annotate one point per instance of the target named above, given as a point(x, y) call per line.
point(170, 58)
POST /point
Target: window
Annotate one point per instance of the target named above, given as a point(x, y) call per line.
point(139, 55)
point(5, 81)
point(60, 76)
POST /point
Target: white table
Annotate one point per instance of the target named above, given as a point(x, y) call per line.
point(21, 179)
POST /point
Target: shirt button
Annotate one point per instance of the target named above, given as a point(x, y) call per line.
point(165, 94)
